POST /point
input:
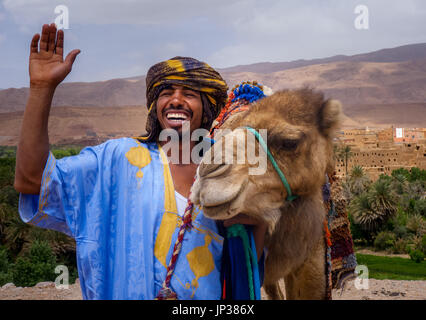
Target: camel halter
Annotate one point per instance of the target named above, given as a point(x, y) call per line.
point(290, 196)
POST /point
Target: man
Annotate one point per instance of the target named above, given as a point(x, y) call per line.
point(120, 200)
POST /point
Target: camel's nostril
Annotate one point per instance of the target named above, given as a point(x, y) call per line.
point(212, 170)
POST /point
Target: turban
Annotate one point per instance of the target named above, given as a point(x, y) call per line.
point(190, 73)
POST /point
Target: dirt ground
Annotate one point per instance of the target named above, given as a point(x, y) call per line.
point(377, 290)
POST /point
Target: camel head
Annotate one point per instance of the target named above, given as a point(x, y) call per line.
point(300, 125)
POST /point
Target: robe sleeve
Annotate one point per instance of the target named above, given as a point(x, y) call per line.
point(67, 186)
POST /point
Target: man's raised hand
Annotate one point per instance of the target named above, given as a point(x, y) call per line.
point(47, 65)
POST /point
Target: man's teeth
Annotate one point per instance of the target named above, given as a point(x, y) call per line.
point(176, 116)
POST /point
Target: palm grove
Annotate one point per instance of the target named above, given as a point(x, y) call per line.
point(389, 213)
point(29, 254)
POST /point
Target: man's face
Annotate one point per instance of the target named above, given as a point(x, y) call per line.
point(177, 104)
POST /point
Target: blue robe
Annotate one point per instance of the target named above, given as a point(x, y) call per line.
point(117, 201)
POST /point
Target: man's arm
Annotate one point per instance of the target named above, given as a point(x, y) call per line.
point(47, 70)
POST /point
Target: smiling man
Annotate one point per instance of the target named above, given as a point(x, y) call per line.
point(121, 200)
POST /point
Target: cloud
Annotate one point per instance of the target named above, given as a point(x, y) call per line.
point(119, 37)
point(284, 31)
point(153, 12)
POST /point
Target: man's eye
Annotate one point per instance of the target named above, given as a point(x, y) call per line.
point(165, 93)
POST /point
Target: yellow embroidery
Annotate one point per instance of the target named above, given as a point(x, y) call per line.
point(139, 157)
point(170, 219)
point(200, 259)
point(47, 177)
point(201, 262)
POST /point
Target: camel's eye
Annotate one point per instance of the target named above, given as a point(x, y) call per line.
point(289, 144)
point(287, 141)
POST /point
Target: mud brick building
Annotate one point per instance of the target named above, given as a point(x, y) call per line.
point(380, 151)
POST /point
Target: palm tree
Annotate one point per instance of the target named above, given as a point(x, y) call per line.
point(399, 183)
point(382, 199)
point(358, 180)
point(345, 153)
point(59, 242)
point(16, 234)
point(373, 208)
point(363, 214)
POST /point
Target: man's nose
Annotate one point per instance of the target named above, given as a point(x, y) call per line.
point(177, 98)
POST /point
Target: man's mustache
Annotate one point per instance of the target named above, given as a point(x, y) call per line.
point(178, 108)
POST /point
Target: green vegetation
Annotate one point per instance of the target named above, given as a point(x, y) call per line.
point(343, 153)
point(390, 213)
point(392, 267)
point(29, 254)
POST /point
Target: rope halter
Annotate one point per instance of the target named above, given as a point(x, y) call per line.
point(290, 196)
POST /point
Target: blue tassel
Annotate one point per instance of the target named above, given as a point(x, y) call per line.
point(248, 92)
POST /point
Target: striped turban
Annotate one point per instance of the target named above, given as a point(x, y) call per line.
point(190, 73)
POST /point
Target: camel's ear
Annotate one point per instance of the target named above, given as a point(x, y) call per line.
point(330, 117)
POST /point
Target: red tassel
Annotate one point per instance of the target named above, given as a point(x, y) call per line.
point(327, 233)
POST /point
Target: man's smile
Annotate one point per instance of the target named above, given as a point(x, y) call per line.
point(174, 117)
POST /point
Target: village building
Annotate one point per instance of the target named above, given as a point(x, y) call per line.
point(380, 151)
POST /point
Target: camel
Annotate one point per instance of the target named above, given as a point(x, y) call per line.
point(300, 128)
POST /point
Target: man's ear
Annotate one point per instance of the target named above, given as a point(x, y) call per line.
point(330, 117)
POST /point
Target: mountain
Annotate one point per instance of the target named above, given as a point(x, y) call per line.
point(385, 76)
point(80, 125)
point(381, 88)
point(398, 54)
point(115, 92)
point(353, 83)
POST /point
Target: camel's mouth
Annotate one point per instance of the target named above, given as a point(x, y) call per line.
point(219, 194)
point(224, 207)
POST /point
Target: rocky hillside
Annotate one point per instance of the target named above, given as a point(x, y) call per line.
point(381, 88)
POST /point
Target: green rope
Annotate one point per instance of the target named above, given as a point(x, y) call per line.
point(290, 197)
point(238, 230)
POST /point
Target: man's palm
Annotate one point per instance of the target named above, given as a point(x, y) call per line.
point(47, 66)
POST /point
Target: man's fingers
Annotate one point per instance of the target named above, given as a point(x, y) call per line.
point(59, 49)
point(52, 37)
point(71, 57)
point(44, 37)
point(34, 43)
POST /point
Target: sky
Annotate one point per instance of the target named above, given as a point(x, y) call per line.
point(123, 38)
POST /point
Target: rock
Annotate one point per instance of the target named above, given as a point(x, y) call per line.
point(8, 286)
point(46, 284)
